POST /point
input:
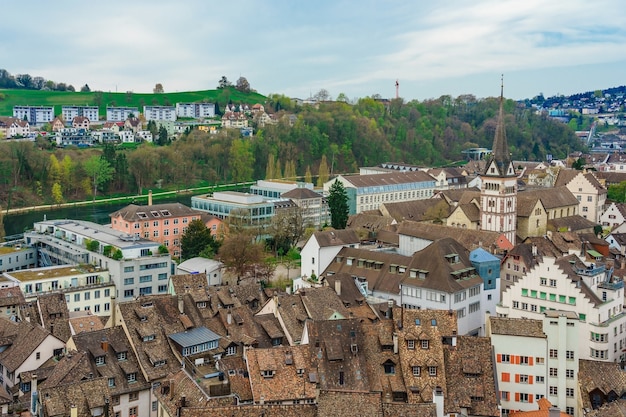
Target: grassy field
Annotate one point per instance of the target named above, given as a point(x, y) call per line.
point(68, 98)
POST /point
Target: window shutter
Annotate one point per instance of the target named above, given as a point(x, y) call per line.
point(530, 398)
point(517, 397)
point(499, 358)
point(517, 378)
point(530, 361)
point(530, 379)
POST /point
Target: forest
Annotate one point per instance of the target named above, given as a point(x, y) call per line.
point(336, 136)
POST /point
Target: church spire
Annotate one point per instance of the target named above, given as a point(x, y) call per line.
point(500, 152)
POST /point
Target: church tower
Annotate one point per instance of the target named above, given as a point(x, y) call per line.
point(498, 192)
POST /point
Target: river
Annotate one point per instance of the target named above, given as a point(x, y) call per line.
point(17, 223)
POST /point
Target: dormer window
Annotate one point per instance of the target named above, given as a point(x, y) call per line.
point(100, 360)
point(410, 344)
point(424, 344)
point(267, 374)
point(111, 382)
point(148, 338)
point(390, 367)
point(418, 322)
point(131, 377)
point(452, 258)
point(122, 356)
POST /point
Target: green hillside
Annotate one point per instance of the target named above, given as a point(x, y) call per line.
point(10, 98)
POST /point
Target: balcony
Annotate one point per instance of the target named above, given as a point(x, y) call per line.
point(614, 286)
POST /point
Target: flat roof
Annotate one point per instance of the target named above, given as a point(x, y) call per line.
point(25, 275)
point(194, 337)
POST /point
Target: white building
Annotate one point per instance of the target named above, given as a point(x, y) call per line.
point(135, 265)
point(86, 288)
point(90, 112)
point(120, 114)
point(536, 359)
point(127, 136)
point(160, 113)
point(36, 115)
point(195, 110)
point(322, 248)
point(585, 288)
point(368, 192)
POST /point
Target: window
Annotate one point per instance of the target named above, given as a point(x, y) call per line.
point(553, 282)
point(38, 355)
point(162, 288)
point(569, 410)
point(129, 281)
point(543, 281)
point(100, 360)
point(506, 358)
point(122, 356)
point(432, 370)
point(390, 368)
point(554, 390)
point(505, 395)
point(107, 306)
point(115, 400)
point(87, 296)
point(129, 268)
point(599, 354)
point(132, 412)
point(569, 392)
point(96, 294)
point(569, 354)
point(162, 276)
point(133, 396)
point(145, 278)
point(410, 344)
point(145, 290)
point(523, 379)
point(523, 397)
point(554, 372)
point(424, 344)
point(155, 403)
point(231, 350)
point(107, 292)
point(132, 377)
point(524, 360)
point(76, 298)
point(554, 354)
point(129, 293)
point(416, 370)
point(599, 337)
point(539, 379)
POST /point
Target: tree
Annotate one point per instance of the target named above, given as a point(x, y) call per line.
point(129, 97)
point(57, 193)
point(158, 88)
point(270, 170)
point(322, 175)
point(243, 85)
point(579, 164)
point(286, 228)
point(240, 254)
point(343, 98)
point(2, 232)
point(308, 177)
point(163, 138)
point(99, 172)
point(322, 95)
point(241, 161)
point(223, 83)
point(197, 240)
point(97, 98)
point(338, 205)
point(85, 88)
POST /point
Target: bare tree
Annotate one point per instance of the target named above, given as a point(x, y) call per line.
point(158, 88)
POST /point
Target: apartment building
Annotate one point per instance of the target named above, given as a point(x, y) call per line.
point(36, 115)
point(135, 265)
point(90, 112)
point(120, 114)
point(195, 110)
point(160, 113)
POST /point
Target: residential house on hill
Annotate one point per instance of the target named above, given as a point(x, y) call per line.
point(81, 122)
point(12, 127)
point(57, 124)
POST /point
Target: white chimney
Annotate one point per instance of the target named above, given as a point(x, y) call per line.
point(338, 286)
point(149, 197)
point(229, 318)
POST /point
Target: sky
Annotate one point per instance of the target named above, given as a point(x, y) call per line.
point(293, 47)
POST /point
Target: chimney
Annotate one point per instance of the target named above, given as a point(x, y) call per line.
point(534, 250)
point(395, 342)
point(390, 309)
point(181, 305)
point(113, 316)
point(73, 411)
point(338, 286)
point(104, 344)
point(229, 318)
point(149, 197)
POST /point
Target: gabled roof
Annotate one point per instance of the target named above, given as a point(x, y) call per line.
point(11, 296)
point(21, 339)
point(301, 193)
point(415, 210)
point(575, 223)
point(55, 315)
point(133, 212)
point(505, 326)
point(470, 377)
point(551, 198)
point(442, 272)
point(471, 239)
point(329, 238)
point(392, 178)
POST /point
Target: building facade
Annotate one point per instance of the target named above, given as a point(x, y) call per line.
point(120, 114)
point(90, 112)
point(36, 115)
point(160, 113)
point(195, 110)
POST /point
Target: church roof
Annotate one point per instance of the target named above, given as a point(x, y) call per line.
point(500, 151)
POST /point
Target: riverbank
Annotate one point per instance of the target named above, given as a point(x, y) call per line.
point(131, 199)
